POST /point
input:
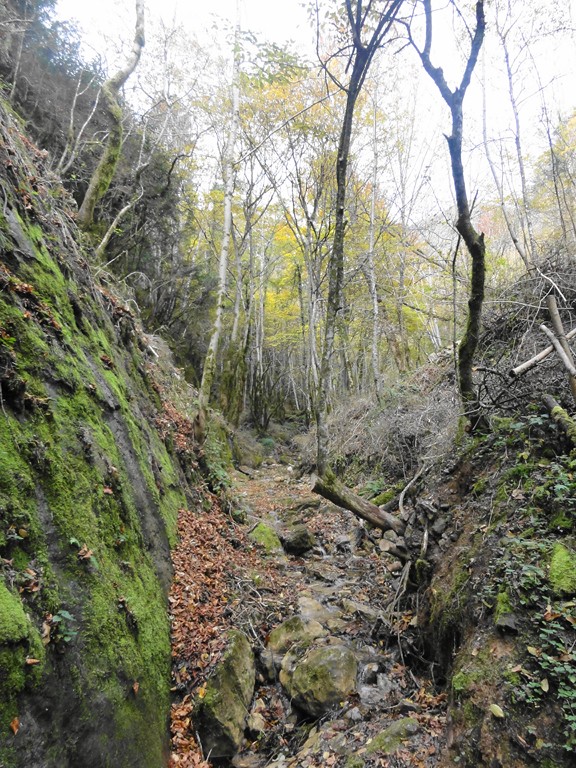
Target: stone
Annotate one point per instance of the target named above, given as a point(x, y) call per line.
point(291, 631)
point(321, 679)
point(267, 538)
point(370, 673)
point(391, 738)
point(220, 717)
point(298, 540)
point(363, 610)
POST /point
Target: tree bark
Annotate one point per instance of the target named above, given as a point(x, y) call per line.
point(333, 490)
point(104, 173)
point(209, 369)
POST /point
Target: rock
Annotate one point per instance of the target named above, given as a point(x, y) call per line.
point(370, 673)
point(267, 538)
point(291, 631)
point(298, 540)
point(321, 679)
point(219, 718)
point(388, 740)
point(440, 526)
point(313, 610)
point(256, 724)
point(507, 623)
point(354, 715)
point(363, 610)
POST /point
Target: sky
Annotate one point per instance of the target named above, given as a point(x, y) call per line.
point(270, 19)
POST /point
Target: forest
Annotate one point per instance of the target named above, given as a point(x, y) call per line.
point(340, 279)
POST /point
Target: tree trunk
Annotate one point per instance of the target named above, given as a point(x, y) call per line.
point(333, 490)
point(361, 58)
point(474, 241)
point(209, 369)
point(104, 173)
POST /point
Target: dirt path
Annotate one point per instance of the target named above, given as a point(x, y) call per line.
point(396, 716)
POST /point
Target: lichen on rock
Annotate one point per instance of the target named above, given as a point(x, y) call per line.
point(220, 715)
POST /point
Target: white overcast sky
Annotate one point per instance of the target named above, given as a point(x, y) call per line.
point(269, 19)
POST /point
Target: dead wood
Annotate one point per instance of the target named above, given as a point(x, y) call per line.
point(333, 490)
point(533, 361)
point(561, 417)
point(561, 335)
point(566, 362)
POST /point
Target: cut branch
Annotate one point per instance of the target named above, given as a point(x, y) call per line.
point(533, 361)
point(561, 335)
point(566, 362)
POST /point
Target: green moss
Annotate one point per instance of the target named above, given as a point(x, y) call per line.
point(482, 668)
point(503, 605)
point(562, 572)
point(384, 497)
point(14, 625)
point(353, 761)
point(267, 538)
point(391, 738)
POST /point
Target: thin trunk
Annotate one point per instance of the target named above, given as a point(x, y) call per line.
point(473, 240)
point(361, 59)
point(209, 369)
point(372, 287)
point(104, 173)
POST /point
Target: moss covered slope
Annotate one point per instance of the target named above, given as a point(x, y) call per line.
point(88, 498)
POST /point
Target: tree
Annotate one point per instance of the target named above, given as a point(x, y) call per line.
point(229, 173)
point(369, 23)
point(474, 241)
point(104, 173)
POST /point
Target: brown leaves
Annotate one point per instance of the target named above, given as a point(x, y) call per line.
point(15, 725)
point(206, 562)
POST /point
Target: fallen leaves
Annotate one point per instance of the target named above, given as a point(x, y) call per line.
point(208, 562)
point(15, 725)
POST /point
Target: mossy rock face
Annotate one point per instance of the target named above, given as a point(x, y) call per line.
point(83, 468)
point(562, 572)
point(220, 717)
point(321, 679)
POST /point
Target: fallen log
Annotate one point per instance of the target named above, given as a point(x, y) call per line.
point(559, 350)
point(526, 366)
point(332, 489)
point(561, 417)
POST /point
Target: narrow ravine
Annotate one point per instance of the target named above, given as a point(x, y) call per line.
point(329, 596)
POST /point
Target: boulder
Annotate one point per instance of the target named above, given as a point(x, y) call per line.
point(220, 716)
point(321, 679)
point(298, 540)
point(293, 631)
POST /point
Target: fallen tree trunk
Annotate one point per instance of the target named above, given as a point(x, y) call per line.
point(333, 490)
point(561, 417)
